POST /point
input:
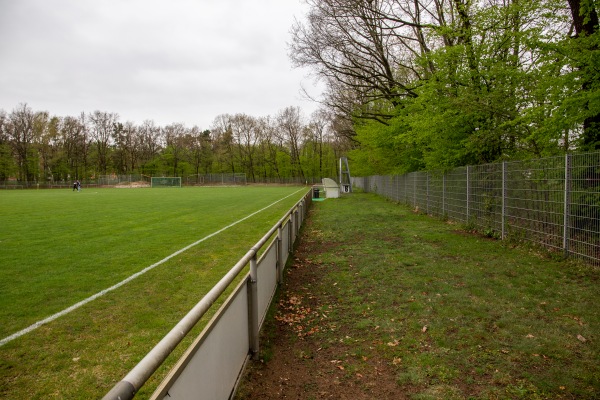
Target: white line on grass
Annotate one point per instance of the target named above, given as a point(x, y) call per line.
point(132, 277)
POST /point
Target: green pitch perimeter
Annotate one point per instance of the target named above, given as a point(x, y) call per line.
point(59, 247)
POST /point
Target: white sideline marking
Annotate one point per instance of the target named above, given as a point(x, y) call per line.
point(127, 280)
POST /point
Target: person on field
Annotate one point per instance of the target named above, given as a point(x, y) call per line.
point(75, 186)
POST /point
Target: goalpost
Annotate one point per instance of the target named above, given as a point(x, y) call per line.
point(165, 181)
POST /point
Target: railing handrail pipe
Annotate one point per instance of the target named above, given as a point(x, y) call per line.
point(135, 379)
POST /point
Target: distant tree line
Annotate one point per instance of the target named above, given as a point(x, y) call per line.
point(38, 147)
point(430, 84)
point(410, 85)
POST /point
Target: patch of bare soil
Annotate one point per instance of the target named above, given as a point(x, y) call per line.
point(299, 358)
point(132, 185)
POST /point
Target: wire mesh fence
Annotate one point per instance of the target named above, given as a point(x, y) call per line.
point(553, 202)
point(140, 180)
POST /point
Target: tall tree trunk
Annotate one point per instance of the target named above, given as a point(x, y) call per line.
point(586, 24)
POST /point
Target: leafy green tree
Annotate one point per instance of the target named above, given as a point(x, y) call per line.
point(585, 56)
point(455, 82)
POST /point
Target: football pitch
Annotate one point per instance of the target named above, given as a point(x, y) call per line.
point(59, 248)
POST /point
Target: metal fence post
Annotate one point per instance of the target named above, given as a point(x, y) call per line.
point(405, 190)
point(414, 189)
point(296, 218)
point(503, 198)
point(468, 194)
point(427, 192)
point(567, 204)
point(280, 265)
point(444, 196)
point(253, 308)
point(290, 232)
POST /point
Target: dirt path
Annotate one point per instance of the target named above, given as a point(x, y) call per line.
point(384, 303)
point(298, 360)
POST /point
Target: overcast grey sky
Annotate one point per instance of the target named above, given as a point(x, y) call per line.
point(167, 60)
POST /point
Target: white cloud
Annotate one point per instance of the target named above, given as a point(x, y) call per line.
point(171, 61)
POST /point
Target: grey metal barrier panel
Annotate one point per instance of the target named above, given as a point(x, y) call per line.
point(293, 227)
point(285, 243)
point(267, 280)
point(210, 367)
point(219, 354)
point(135, 379)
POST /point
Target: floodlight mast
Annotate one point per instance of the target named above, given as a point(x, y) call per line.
point(345, 179)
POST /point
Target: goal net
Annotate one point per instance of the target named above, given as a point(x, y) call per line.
point(165, 181)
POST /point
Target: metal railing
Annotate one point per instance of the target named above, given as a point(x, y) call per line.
point(553, 202)
point(211, 367)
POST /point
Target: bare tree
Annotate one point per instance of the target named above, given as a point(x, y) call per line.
point(175, 137)
point(102, 124)
point(319, 123)
point(290, 128)
point(199, 149)
point(19, 130)
point(270, 147)
point(74, 140)
point(366, 51)
point(223, 143)
point(49, 146)
point(6, 161)
point(127, 147)
point(150, 140)
point(246, 135)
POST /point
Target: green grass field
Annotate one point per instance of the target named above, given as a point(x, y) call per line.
point(58, 247)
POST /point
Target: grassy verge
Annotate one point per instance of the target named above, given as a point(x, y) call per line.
point(385, 303)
